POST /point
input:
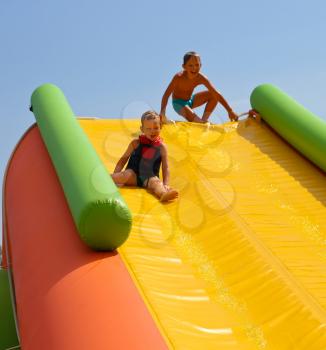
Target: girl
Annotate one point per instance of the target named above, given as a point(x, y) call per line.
point(145, 156)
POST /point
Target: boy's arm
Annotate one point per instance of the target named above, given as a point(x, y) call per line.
point(221, 99)
point(166, 96)
point(124, 158)
point(165, 166)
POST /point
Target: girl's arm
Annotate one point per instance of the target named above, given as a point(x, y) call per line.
point(165, 166)
point(124, 158)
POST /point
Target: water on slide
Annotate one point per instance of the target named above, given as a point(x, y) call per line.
point(239, 260)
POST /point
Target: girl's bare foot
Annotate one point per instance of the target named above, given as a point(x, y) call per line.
point(169, 195)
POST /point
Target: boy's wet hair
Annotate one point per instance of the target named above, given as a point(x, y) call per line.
point(188, 55)
point(149, 115)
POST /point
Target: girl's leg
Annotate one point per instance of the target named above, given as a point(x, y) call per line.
point(205, 97)
point(156, 186)
point(126, 177)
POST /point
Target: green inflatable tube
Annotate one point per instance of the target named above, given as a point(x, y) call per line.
point(102, 217)
point(8, 335)
point(301, 128)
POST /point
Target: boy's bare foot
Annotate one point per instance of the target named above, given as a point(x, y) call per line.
point(165, 120)
point(169, 195)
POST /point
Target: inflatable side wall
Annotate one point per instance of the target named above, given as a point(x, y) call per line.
point(298, 126)
point(102, 218)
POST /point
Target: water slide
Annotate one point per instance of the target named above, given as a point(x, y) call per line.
point(237, 262)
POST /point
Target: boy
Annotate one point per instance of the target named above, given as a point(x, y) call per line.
point(145, 156)
point(182, 86)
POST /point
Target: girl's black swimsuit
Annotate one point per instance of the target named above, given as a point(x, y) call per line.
point(146, 160)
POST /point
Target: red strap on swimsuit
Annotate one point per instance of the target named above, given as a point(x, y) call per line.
point(146, 141)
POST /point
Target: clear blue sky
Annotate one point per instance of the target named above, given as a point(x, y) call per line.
point(115, 58)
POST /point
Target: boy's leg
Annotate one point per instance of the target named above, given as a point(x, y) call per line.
point(126, 177)
point(156, 186)
point(205, 97)
point(190, 115)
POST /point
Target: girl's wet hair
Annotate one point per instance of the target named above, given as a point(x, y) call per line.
point(188, 55)
point(149, 115)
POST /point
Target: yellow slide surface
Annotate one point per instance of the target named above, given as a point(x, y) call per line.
point(239, 260)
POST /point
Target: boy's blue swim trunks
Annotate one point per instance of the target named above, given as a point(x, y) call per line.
point(179, 103)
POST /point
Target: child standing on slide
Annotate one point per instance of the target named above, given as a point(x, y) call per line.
point(145, 156)
point(182, 86)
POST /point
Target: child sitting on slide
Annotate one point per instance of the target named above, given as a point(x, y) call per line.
point(182, 86)
point(144, 156)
